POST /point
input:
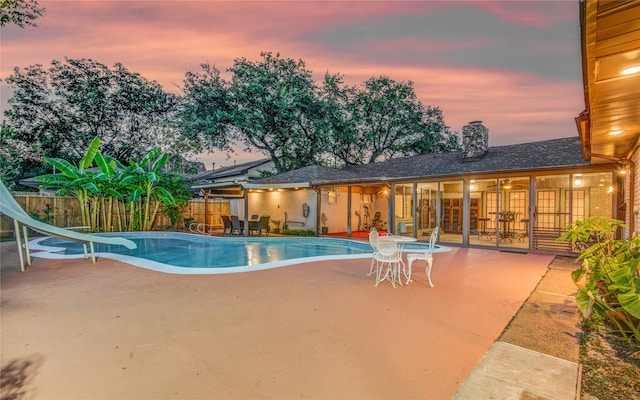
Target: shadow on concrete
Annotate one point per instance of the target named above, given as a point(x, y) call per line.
point(16, 378)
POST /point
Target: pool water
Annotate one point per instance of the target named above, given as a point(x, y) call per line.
point(188, 254)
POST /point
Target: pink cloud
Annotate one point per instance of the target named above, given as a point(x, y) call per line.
point(428, 45)
point(531, 13)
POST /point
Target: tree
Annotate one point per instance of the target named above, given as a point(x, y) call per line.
point(381, 120)
point(275, 109)
point(16, 156)
point(205, 108)
point(19, 12)
point(60, 110)
point(274, 106)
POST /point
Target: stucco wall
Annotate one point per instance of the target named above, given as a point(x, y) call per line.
point(276, 203)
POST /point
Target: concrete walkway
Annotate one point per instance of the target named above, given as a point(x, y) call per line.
point(74, 330)
point(537, 355)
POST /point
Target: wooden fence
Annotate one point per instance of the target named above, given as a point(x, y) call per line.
point(65, 212)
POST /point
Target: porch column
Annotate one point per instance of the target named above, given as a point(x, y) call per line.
point(391, 210)
point(466, 212)
point(246, 211)
point(206, 201)
point(318, 210)
point(414, 203)
point(348, 211)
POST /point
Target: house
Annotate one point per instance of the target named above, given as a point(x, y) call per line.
point(518, 197)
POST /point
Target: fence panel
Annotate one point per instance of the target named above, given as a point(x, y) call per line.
point(65, 212)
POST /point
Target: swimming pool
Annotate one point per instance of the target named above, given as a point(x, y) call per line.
point(183, 253)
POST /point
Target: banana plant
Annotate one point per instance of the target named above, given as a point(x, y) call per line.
point(74, 180)
point(135, 191)
point(145, 189)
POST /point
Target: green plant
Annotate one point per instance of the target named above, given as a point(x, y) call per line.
point(137, 191)
point(188, 221)
point(323, 219)
point(299, 232)
point(608, 280)
point(47, 216)
point(276, 225)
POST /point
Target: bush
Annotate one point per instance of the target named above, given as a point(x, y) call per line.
point(609, 279)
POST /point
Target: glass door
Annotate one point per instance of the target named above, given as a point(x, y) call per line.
point(512, 216)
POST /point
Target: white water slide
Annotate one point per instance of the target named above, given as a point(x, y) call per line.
point(22, 221)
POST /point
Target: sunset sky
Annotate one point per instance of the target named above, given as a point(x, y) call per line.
point(513, 64)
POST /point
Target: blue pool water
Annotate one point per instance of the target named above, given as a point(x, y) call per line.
point(187, 253)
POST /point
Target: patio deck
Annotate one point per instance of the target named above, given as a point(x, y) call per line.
point(319, 330)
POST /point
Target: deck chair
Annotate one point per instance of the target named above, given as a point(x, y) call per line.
point(236, 226)
point(22, 221)
point(427, 256)
point(226, 224)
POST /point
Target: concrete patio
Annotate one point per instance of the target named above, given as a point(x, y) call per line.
point(75, 330)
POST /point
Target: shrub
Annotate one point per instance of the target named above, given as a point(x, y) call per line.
point(608, 280)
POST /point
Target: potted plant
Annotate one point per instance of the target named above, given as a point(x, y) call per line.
point(323, 220)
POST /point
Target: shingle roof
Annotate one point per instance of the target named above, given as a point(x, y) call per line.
point(554, 153)
point(310, 174)
point(233, 170)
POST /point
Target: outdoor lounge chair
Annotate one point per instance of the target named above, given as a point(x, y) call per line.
point(264, 225)
point(427, 256)
point(236, 226)
point(226, 224)
point(11, 208)
point(259, 225)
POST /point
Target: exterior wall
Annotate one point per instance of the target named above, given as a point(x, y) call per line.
point(334, 206)
point(276, 203)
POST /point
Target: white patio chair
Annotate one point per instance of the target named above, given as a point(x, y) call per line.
point(427, 256)
point(388, 261)
point(374, 238)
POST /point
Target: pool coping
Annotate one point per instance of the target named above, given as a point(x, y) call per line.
point(52, 253)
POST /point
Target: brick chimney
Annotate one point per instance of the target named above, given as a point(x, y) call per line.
point(475, 141)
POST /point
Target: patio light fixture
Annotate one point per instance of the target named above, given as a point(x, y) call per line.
point(631, 70)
